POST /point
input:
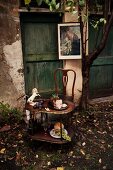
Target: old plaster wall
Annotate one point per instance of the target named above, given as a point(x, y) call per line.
point(75, 64)
point(11, 62)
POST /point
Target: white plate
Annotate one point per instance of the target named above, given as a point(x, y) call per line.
point(64, 105)
point(52, 133)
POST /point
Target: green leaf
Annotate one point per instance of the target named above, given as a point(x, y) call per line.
point(82, 3)
point(103, 20)
point(95, 26)
point(85, 17)
point(53, 2)
point(70, 3)
point(50, 8)
point(74, 12)
point(46, 1)
point(58, 6)
point(27, 2)
point(39, 2)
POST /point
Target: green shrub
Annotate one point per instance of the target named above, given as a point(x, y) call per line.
point(8, 114)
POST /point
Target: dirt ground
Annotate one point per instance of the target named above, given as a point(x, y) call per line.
point(90, 149)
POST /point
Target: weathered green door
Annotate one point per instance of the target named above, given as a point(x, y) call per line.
point(40, 48)
point(101, 74)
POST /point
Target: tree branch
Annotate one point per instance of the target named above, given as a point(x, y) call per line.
point(93, 55)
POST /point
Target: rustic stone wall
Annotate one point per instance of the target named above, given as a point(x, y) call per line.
point(11, 62)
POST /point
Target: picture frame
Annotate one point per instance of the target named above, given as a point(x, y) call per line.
point(69, 41)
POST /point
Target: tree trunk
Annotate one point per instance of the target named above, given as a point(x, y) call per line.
point(85, 84)
point(88, 60)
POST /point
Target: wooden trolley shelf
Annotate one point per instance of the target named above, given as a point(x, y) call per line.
point(39, 134)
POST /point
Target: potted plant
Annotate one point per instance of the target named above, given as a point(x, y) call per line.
point(56, 101)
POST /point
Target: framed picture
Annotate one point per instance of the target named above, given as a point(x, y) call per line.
point(69, 41)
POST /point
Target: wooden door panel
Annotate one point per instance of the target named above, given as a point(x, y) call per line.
point(101, 73)
point(41, 76)
point(41, 41)
point(40, 48)
point(99, 77)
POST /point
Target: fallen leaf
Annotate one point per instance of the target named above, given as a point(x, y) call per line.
point(109, 146)
point(78, 121)
point(36, 156)
point(49, 163)
point(11, 158)
point(48, 156)
point(19, 135)
point(81, 150)
point(2, 150)
point(104, 167)
point(88, 156)
point(71, 153)
point(83, 144)
point(100, 160)
point(5, 128)
point(21, 141)
point(79, 143)
point(25, 162)
point(18, 156)
point(14, 146)
point(60, 168)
